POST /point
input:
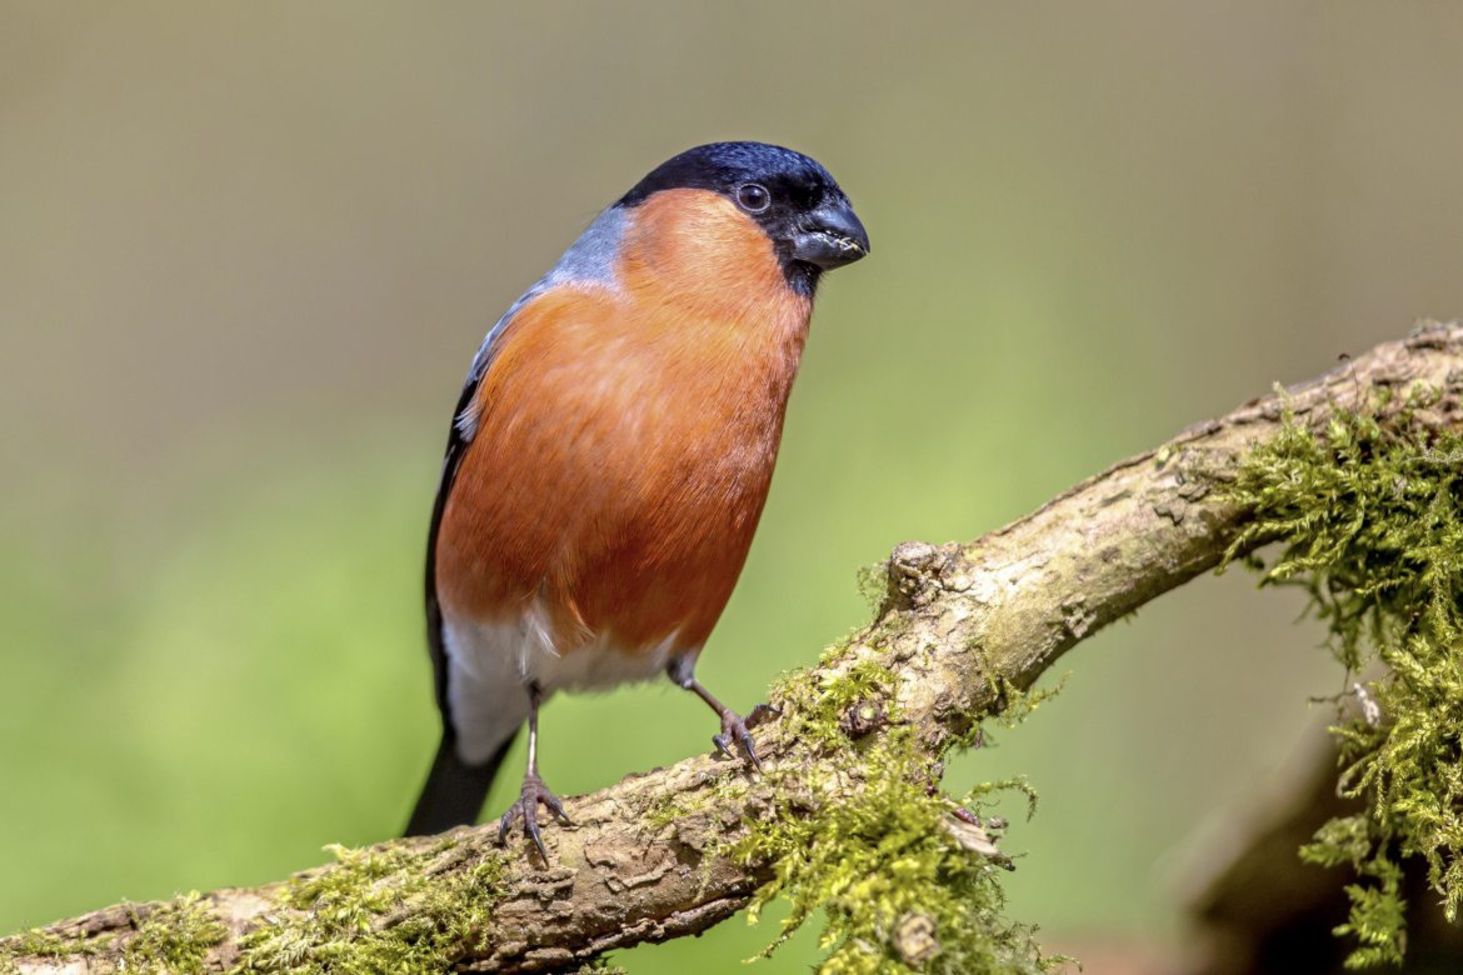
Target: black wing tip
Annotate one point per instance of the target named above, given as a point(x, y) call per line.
point(454, 791)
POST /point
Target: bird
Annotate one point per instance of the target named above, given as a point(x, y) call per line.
point(610, 455)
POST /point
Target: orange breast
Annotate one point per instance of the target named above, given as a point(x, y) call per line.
point(627, 437)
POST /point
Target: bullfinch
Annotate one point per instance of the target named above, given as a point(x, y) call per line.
point(610, 455)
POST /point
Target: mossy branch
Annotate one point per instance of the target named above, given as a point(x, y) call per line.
point(849, 817)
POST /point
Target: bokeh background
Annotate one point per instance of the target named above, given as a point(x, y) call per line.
point(247, 251)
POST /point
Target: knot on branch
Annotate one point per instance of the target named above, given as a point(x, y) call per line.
point(863, 719)
point(916, 572)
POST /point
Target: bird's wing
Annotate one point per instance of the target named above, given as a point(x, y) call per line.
point(590, 260)
point(459, 436)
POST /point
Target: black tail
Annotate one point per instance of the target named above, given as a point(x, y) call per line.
point(455, 790)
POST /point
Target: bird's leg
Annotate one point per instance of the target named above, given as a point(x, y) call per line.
point(534, 791)
point(734, 728)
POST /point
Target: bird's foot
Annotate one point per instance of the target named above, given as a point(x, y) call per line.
point(526, 808)
point(738, 730)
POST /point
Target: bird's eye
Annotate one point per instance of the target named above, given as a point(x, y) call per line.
point(753, 197)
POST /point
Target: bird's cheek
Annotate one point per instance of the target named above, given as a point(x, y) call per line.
point(696, 240)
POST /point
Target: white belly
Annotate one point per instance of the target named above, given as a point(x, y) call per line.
point(490, 666)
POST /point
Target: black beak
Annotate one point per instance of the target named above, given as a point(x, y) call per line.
point(830, 236)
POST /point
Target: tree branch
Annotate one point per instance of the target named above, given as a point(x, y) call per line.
point(959, 622)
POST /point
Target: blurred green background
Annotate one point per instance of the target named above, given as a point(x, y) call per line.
point(247, 251)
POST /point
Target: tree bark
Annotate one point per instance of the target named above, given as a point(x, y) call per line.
point(958, 620)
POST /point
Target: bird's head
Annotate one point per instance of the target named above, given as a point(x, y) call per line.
point(793, 200)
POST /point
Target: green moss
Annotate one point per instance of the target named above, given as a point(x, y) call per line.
point(818, 702)
point(173, 938)
point(1369, 513)
point(44, 944)
point(379, 910)
point(391, 909)
point(884, 864)
point(40, 943)
point(1011, 704)
point(866, 837)
point(873, 584)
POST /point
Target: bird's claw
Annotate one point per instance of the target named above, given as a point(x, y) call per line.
point(736, 729)
point(526, 807)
